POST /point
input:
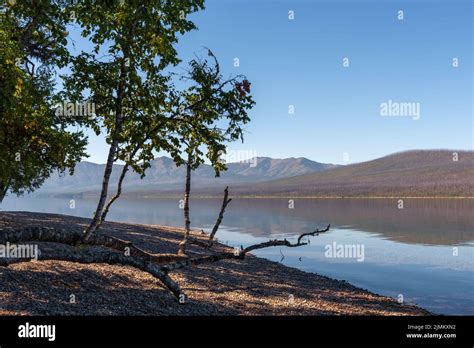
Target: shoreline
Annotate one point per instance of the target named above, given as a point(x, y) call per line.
point(307, 197)
point(234, 196)
point(254, 286)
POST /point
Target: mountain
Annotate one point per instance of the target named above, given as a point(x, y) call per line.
point(266, 168)
point(419, 173)
point(163, 175)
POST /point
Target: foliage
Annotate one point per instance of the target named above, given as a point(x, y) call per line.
point(34, 141)
point(133, 45)
point(212, 113)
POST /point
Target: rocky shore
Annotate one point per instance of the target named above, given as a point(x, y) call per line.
point(253, 286)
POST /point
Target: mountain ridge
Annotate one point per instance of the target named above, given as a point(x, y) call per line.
point(165, 174)
point(414, 173)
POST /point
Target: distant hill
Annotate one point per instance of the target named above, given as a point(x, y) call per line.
point(165, 176)
point(412, 173)
point(418, 173)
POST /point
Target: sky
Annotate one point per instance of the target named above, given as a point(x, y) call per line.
point(299, 63)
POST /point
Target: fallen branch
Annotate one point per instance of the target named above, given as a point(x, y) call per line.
point(284, 242)
point(88, 256)
point(196, 261)
point(158, 265)
point(241, 253)
point(45, 234)
point(198, 242)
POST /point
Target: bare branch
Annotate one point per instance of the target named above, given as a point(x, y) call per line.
point(239, 254)
point(225, 201)
point(284, 242)
point(198, 242)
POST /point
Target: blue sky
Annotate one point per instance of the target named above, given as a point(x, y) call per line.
point(337, 109)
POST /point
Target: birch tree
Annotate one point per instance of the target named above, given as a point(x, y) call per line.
point(138, 107)
point(133, 43)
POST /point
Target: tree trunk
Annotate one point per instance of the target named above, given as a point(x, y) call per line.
point(225, 202)
point(72, 238)
point(90, 256)
point(3, 192)
point(187, 221)
point(94, 225)
point(114, 198)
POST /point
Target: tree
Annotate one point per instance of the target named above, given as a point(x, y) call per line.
point(34, 140)
point(141, 111)
point(127, 84)
point(212, 124)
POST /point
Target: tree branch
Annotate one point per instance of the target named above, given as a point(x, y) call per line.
point(195, 261)
point(44, 234)
point(239, 254)
point(225, 201)
point(284, 242)
point(89, 256)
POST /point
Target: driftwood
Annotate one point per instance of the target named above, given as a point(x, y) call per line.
point(88, 256)
point(114, 251)
point(46, 234)
point(284, 242)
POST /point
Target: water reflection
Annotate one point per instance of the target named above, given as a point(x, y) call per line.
point(409, 251)
point(421, 221)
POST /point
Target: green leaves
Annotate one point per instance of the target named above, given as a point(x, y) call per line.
point(34, 141)
point(128, 73)
point(140, 36)
point(212, 112)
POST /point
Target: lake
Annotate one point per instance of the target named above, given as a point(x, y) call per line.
point(422, 254)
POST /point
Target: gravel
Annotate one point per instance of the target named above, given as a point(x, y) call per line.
point(253, 286)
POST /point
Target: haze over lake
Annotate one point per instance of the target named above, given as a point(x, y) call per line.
point(423, 253)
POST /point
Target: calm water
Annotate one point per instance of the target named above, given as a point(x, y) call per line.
point(424, 252)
